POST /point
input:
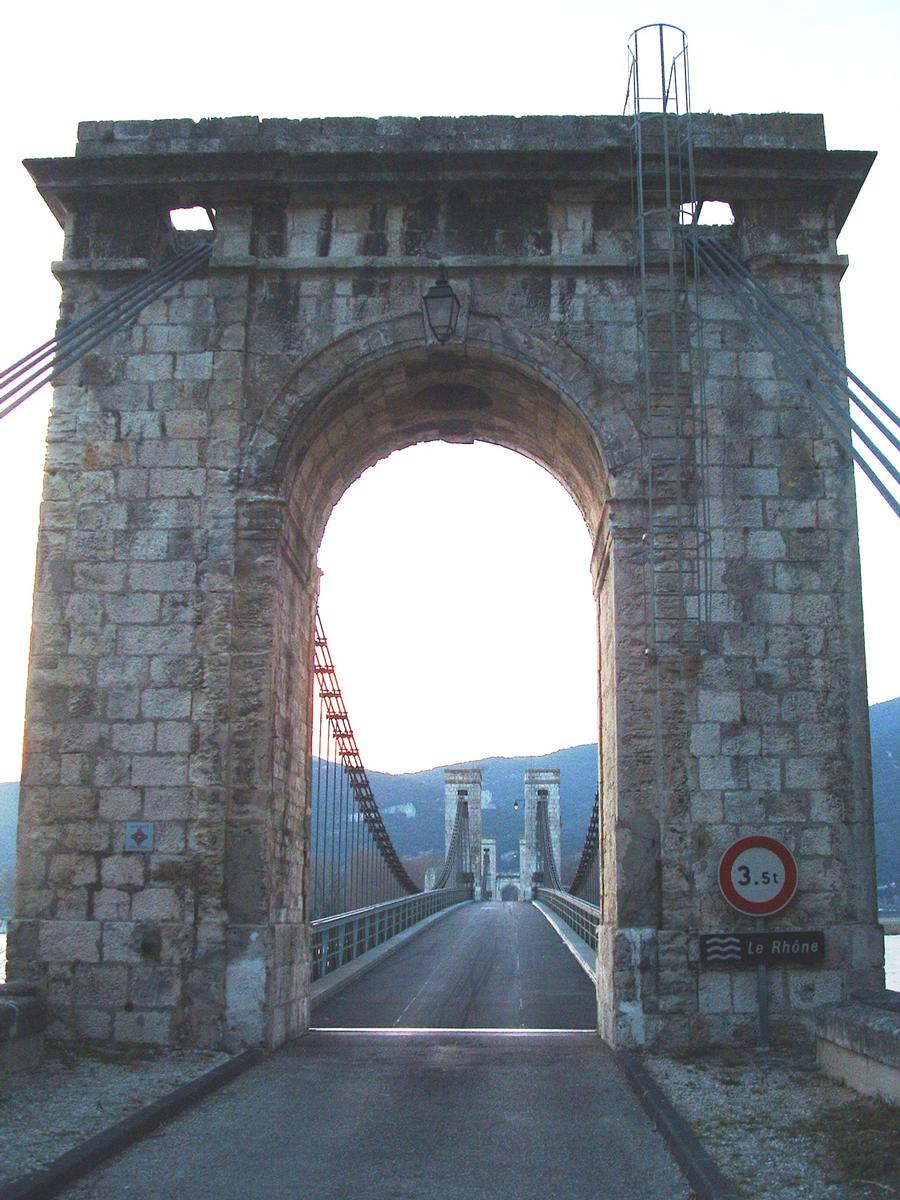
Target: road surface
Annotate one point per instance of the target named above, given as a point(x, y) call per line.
point(484, 966)
point(397, 1111)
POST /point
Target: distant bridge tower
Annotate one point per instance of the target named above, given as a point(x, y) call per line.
point(489, 869)
point(541, 788)
point(465, 784)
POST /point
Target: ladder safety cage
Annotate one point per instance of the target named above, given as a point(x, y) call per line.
point(665, 202)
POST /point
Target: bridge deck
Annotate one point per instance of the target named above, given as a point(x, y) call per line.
point(485, 966)
point(414, 1116)
point(437, 1115)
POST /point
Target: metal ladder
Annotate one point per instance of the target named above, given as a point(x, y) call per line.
point(674, 410)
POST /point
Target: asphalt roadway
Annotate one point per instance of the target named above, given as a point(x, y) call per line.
point(422, 1114)
point(484, 966)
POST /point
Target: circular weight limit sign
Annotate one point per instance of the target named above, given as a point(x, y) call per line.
point(758, 875)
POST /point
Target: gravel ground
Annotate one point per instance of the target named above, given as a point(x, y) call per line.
point(779, 1130)
point(78, 1093)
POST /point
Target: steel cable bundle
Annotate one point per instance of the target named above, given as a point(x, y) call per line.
point(810, 363)
point(30, 373)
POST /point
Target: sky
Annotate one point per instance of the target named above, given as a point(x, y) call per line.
point(500, 563)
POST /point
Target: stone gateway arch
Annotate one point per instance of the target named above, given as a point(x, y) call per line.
point(192, 463)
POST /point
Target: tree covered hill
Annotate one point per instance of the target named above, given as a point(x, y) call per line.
point(502, 783)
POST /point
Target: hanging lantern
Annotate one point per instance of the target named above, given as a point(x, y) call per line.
point(441, 307)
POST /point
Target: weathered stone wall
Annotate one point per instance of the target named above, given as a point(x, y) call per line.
point(193, 461)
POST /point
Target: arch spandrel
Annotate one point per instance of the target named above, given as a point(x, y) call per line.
point(503, 383)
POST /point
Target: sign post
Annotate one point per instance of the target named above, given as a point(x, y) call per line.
point(758, 877)
point(762, 995)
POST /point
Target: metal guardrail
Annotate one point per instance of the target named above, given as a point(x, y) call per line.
point(579, 915)
point(340, 939)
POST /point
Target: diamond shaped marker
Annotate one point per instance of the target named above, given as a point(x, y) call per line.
point(139, 836)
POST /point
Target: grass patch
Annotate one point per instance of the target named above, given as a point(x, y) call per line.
point(123, 1056)
point(863, 1137)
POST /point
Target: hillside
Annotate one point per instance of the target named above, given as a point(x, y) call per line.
point(503, 779)
point(413, 804)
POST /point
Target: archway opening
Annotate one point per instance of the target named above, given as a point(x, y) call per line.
point(457, 600)
point(524, 398)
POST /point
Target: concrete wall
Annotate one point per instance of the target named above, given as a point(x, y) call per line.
point(192, 463)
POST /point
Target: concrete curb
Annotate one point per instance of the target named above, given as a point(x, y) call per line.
point(50, 1180)
point(335, 981)
point(579, 949)
point(704, 1177)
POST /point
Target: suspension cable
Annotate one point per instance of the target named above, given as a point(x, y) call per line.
point(458, 849)
point(839, 371)
point(545, 847)
point(348, 753)
point(27, 376)
point(798, 354)
point(590, 851)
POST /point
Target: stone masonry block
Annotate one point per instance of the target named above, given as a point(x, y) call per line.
point(165, 703)
point(123, 870)
point(719, 706)
point(168, 770)
point(805, 773)
point(72, 869)
point(156, 904)
point(142, 1028)
point(715, 992)
point(110, 904)
point(69, 941)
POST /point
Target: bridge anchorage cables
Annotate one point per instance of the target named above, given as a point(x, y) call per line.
point(576, 904)
point(360, 894)
point(77, 338)
point(865, 426)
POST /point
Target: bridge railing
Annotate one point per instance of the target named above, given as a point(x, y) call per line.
point(580, 915)
point(339, 939)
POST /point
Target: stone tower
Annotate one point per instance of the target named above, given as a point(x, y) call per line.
point(193, 460)
point(541, 787)
point(465, 784)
